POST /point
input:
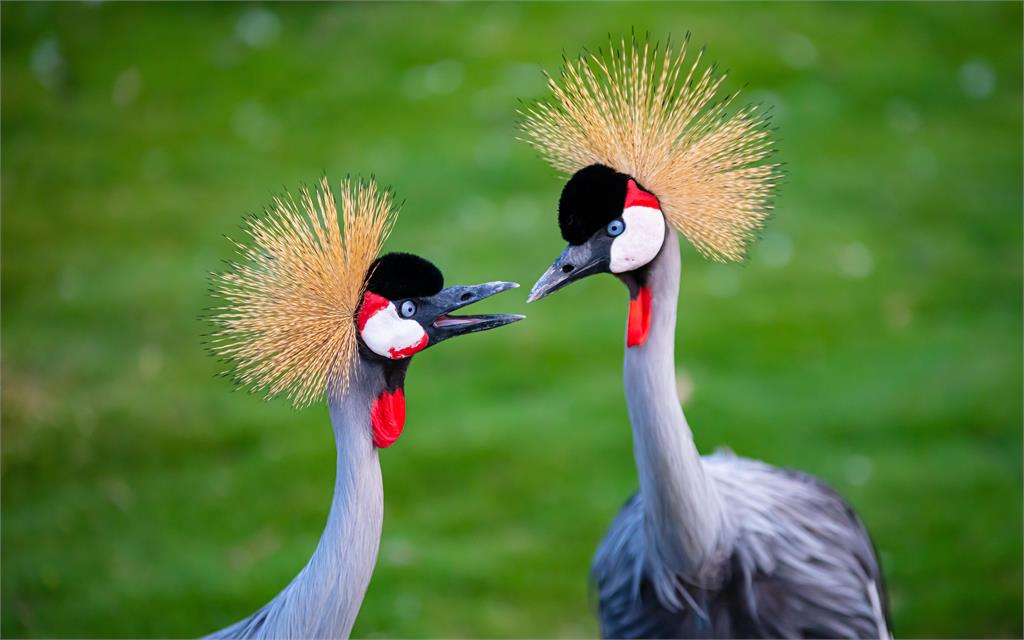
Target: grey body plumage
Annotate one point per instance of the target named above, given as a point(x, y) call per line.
point(801, 565)
point(723, 546)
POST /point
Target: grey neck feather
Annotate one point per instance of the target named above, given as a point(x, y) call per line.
point(683, 517)
point(324, 598)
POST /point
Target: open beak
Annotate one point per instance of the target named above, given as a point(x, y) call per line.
point(445, 325)
point(576, 262)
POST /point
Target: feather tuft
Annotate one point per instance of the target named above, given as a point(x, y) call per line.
point(285, 322)
point(646, 112)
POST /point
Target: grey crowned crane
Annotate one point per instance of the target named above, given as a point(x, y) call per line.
point(310, 312)
point(713, 546)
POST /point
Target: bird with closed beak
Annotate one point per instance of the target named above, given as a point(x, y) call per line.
point(310, 312)
point(715, 546)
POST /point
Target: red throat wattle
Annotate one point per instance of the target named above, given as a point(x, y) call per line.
point(639, 324)
point(388, 417)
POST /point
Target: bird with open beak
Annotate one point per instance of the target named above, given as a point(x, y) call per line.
point(309, 311)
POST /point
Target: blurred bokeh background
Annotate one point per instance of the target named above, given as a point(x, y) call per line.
point(873, 338)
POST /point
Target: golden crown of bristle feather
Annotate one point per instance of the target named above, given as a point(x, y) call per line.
point(646, 114)
point(286, 322)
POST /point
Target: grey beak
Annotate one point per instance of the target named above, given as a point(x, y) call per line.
point(577, 261)
point(444, 325)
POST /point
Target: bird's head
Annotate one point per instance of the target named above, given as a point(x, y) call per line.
point(309, 310)
point(406, 308)
point(612, 224)
point(650, 145)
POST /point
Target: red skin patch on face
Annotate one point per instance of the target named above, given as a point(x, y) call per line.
point(372, 303)
point(639, 324)
point(637, 197)
point(388, 417)
point(408, 351)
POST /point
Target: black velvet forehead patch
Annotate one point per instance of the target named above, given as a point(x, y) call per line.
point(593, 197)
point(404, 275)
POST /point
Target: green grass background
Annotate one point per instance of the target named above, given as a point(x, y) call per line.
point(874, 337)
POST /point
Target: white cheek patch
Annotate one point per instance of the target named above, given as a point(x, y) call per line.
point(640, 242)
point(388, 334)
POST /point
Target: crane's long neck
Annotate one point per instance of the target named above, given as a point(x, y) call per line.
point(339, 571)
point(324, 598)
point(683, 517)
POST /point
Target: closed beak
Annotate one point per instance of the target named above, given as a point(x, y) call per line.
point(577, 261)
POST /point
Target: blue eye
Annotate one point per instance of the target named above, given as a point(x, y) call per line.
point(408, 309)
point(615, 227)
